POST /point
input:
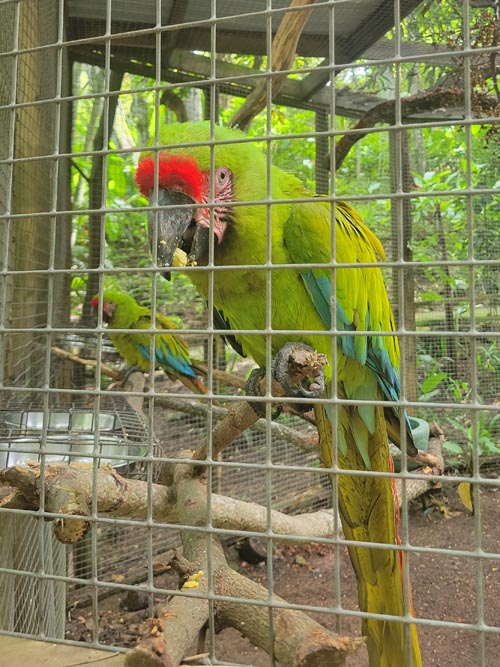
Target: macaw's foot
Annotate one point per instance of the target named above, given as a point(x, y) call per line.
point(252, 389)
point(299, 369)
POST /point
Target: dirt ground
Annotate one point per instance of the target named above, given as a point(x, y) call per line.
point(445, 589)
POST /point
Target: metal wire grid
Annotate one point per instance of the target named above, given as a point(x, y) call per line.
point(31, 605)
point(267, 465)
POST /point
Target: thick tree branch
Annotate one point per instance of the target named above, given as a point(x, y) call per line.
point(231, 513)
point(283, 54)
point(385, 112)
point(179, 621)
point(68, 489)
point(298, 640)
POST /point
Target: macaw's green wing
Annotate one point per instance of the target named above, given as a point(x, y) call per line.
point(171, 351)
point(360, 301)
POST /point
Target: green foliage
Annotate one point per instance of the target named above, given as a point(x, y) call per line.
point(485, 435)
point(126, 239)
point(429, 386)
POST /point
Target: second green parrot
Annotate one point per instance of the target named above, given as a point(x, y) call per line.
point(121, 311)
point(218, 193)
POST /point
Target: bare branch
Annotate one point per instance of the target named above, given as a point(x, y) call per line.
point(90, 363)
point(174, 102)
point(241, 515)
point(235, 422)
point(222, 376)
point(68, 490)
point(283, 54)
point(385, 112)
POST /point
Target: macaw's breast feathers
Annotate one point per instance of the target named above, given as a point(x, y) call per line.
point(176, 172)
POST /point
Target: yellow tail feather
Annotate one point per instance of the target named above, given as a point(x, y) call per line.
point(369, 513)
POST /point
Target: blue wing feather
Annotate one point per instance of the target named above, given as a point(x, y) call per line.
point(167, 360)
point(372, 353)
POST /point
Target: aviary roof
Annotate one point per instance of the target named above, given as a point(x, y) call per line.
point(240, 24)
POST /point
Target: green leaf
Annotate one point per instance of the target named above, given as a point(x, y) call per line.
point(456, 424)
point(453, 447)
point(78, 283)
point(424, 398)
point(431, 296)
point(431, 382)
point(373, 186)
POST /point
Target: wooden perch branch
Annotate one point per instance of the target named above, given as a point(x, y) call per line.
point(283, 54)
point(241, 515)
point(298, 640)
point(222, 376)
point(217, 374)
point(306, 442)
point(302, 364)
point(385, 112)
point(68, 489)
point(183, 617)
point(105, 370)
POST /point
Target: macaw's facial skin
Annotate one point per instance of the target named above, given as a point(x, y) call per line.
point(108, 310)
point(182, 184)
point(215, 178)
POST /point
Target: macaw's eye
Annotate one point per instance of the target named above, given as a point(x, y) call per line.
point(222, 176)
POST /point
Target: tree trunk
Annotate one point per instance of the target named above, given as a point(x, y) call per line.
point(97, 194)
point(403, 281)
point(28, 187)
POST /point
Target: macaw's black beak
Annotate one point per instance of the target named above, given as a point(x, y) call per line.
point(171, 224)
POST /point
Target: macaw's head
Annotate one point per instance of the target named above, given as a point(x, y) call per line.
point(117, 307)
point(190, 177)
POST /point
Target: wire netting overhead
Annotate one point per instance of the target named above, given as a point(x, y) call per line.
point(391, 107)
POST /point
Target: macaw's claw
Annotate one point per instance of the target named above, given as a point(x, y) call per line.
point(299, 369)
point(252, 389)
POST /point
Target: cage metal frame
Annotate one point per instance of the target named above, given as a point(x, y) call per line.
point(474, 406)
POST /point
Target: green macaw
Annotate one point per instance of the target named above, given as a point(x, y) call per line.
point(121, 311)
point(190, 178)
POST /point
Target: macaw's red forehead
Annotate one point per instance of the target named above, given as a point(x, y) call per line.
point(177, 172)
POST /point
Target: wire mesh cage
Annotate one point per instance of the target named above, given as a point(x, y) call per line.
point(151, 258)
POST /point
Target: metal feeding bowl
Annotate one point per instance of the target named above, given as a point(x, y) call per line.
point(71, 435)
